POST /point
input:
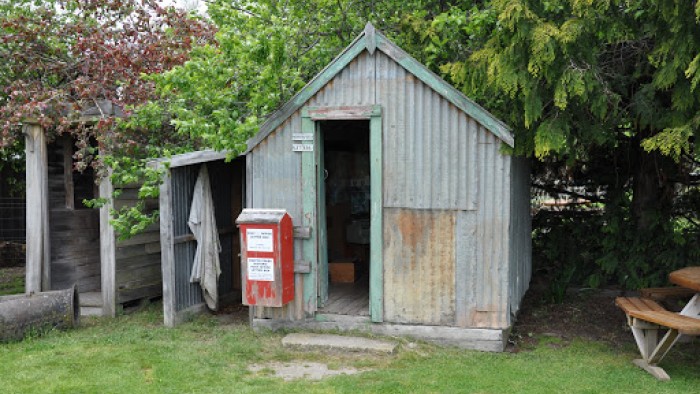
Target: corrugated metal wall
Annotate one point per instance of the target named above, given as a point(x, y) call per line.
point(521, 230)
point(424, 135)
point(186, 293)
point(183, 181)
point(274, 181)
point(442, 172)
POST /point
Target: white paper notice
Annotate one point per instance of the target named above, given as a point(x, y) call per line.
point(259, 240)
point(261, 269)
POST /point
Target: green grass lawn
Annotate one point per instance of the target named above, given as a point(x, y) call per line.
point(136, 354)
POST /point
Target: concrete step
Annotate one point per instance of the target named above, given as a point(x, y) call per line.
point(338, 342)
point(90, 311)
point(93, 299)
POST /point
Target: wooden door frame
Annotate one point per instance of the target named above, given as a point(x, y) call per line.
point(310, 174)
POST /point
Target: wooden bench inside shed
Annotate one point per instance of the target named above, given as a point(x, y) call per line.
point(646, 317)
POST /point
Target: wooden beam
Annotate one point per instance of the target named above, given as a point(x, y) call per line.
point(38, 272)
point(308, 219)
point(108, 257)
point(190, 158)
point(167, 251)
point(376, 247)
point(302, 232)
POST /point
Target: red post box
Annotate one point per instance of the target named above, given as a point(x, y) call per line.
point(267, 257)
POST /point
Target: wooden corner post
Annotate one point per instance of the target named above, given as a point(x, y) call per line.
point(107, 250)
point(38, 274)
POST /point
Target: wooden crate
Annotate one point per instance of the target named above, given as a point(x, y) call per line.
point(342, 271)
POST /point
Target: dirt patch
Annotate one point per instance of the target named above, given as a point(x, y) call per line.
point(232, 314)
point(587, 313)
point(301, 370)
point(12, 254)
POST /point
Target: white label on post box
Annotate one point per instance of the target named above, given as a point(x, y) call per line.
point(261, 269)
point(259, 239)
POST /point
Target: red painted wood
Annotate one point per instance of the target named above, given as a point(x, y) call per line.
point(280, 291)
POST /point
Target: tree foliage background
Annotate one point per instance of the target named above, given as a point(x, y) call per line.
point(602, 94)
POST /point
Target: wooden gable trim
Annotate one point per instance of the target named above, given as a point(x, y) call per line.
point(372, 40)
point(447, 91)
point(293, 105)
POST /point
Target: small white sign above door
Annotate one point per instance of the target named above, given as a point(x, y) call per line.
point(302, 147)
point(302, 137)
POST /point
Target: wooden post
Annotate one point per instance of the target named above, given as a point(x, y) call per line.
point(376, 246)
point(38, 273)
point(167, 251)
point(107, 250)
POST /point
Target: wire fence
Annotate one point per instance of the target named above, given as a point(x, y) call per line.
point(13, 227)
point(13, 219)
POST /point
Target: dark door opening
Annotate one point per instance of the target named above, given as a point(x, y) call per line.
point(346, 174)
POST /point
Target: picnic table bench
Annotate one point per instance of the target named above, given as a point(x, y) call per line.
point(647, 318)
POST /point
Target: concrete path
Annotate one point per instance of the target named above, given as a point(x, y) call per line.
point(339, 342)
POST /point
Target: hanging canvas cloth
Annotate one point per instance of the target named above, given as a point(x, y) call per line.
point(202, 222)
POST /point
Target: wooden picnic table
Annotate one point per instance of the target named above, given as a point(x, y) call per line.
point(688, 277)
point(645, 317)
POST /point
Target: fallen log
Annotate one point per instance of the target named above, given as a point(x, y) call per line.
point(21, 315)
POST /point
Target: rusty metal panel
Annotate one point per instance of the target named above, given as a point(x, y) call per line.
point(419, 266)
point(424, 136)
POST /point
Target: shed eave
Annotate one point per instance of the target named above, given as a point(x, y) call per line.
point(189, 158)
point(371, 40)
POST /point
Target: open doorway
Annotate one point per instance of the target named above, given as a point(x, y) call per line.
point(346, 199)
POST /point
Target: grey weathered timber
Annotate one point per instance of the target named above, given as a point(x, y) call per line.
point(177, 244)
point(37, 312)
point(191, 158)
point(107, 251)
point(68, 172)
point(491, 340)
point(38, 274)
point(167, 251)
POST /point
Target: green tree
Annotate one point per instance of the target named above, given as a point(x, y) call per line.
point(605, 95)
point(60, 58)
point(266, 51)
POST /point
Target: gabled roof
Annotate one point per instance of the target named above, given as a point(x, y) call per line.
point(371, 40)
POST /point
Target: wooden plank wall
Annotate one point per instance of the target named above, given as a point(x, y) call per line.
point(138, 270)
point(75, 233)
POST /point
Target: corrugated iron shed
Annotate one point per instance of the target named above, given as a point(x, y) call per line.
point(449, 220)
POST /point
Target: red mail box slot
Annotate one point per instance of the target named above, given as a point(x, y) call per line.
point(267, 257)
